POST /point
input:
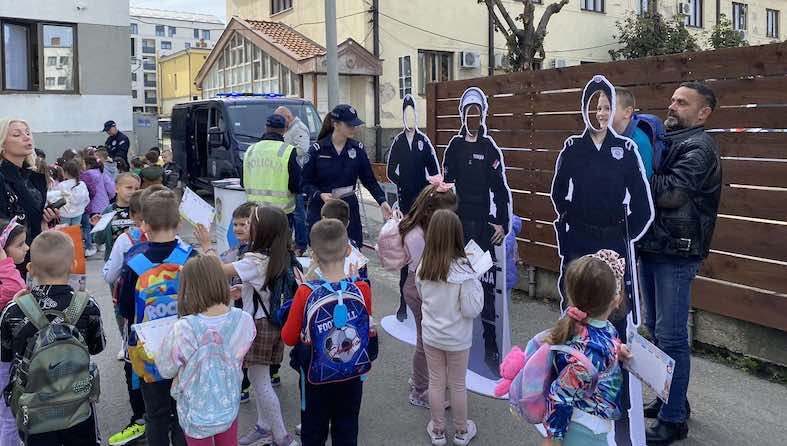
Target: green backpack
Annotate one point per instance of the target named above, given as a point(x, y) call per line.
point(53, 386)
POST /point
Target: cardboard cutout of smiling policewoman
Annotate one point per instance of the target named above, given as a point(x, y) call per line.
point(475, 164)
point(601, 195)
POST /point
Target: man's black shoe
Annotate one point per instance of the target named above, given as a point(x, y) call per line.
point(663, 433)
point(652, 409)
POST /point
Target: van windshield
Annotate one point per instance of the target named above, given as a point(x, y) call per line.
point(248, 120)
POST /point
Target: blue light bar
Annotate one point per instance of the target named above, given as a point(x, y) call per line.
point(237, 94)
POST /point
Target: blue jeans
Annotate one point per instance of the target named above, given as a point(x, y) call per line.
point(71, 221)
point(86, 228)
point(666, 294)
point(301, 232)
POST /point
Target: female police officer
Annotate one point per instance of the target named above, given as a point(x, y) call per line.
point(333, 167)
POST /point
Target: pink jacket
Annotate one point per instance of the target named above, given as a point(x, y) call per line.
point(10, 281)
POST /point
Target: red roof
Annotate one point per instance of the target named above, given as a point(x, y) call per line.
point(301, 46)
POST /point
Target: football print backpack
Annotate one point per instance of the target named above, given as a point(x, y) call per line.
point(337, 331)
point(156, 298)
point(53, 386)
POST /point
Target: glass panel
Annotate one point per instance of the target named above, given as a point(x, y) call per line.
point(256, 70)
point(265, 66)
point(257, 53)
point(15, 46)
point(59, 43)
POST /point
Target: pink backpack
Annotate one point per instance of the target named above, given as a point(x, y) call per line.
point(390, 247)
point(530, 388)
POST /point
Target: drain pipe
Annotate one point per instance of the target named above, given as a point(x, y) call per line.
point(531, 281)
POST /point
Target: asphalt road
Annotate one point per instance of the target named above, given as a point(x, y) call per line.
point(729, 407)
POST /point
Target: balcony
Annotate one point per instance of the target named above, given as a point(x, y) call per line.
point(149, 66)
point(149, 50)
point(150, 84)
point(150, 100)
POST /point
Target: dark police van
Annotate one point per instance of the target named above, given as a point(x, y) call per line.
point(210, 137)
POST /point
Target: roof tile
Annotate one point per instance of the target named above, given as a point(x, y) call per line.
point(287, 37)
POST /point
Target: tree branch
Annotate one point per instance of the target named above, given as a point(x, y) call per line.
point(554, 8)
point(511, 23)
point(498, 23)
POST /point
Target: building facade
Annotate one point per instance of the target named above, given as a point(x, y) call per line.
point(157, 33)
point(424, 41)
point(176, 75)
point(63, 69)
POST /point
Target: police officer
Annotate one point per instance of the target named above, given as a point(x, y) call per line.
point(271, 173)
point(117, 143)
point(473, 161)
point(333, 167)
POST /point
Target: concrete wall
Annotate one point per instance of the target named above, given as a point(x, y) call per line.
point(98, 12)
point(101, 71)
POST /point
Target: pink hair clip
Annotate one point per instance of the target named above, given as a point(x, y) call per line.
point(7, 232)
point(577, 314)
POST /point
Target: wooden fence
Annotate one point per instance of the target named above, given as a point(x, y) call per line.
point(532, 113)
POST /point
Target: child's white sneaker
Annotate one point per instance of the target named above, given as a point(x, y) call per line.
point(438, 439)
point(464, 438)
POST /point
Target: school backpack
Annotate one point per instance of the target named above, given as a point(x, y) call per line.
point(654, 129)
point(205, 413)
point(529, 390)
point(390, 247)
point(282, 292)
point(338, 331)
point(54, 385)
point(156, 297)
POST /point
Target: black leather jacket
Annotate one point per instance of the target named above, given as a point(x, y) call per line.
point(686, 191)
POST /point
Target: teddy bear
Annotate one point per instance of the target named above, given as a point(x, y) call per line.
point(509, 367)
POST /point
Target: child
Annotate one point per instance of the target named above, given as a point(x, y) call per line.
point(152, 175)
point(340, 210)
point(333, 405)
point(593, 285)
point(452, 298)
point(101, 190)
point(204, 306)
point(110, 166)
point(160, 222)
point(137, 164)
point(412, 229)
point(125, 185)
point(131, 236)
point(153, 157)
point(240, 227)
point(51, 259)
point(171, 170)
point(76, 194)
point(267, 258)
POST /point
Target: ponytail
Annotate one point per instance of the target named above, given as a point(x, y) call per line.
point(327, 127)
point(562, 331)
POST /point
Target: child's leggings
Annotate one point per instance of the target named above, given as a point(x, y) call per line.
point(413, 300)
point(226, 438)
point(268, 408)
point(579, 435)
point(447, 368)
point(9, 435)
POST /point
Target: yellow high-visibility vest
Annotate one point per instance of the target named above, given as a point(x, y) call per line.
point(266, 176)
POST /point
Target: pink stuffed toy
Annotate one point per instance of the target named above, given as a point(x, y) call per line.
point(511, 365)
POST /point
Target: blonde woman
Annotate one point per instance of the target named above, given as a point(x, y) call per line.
point(22, 189)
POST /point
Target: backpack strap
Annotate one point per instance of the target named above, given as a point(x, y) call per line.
point(30, 308)
point(586, 363)
point(179, 255)
point(77, 306)
point(257, 300)
point(140, 263)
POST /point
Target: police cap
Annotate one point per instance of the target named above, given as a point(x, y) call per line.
point(346, 114)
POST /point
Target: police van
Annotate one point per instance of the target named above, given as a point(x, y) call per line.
point(210, 137)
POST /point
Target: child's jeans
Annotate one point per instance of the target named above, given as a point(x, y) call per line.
point(447, 368)
point(226, 438)
point(161, 418)
point(83, 434)
point(420, 370)
point(336, 405)
point(71, 221)
point(8, 434)
point(86, 227)
point(579, 435)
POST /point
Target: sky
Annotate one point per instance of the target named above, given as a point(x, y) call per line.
point(214, 7)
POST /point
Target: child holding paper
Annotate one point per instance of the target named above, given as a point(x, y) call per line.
point(577, 416)
point(452, 298)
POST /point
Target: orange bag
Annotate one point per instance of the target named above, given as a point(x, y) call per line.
point(79, 272)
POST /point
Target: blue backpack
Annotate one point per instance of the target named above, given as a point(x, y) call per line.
point(654, 129)
point(206, 413)
point(337, 331)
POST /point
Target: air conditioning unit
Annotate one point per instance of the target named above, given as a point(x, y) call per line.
point(684, 8)
point(502, 62)
point(558, 63)
point(470, 59)
point(744, 34)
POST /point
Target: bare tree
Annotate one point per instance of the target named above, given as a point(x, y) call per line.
point(524, 43)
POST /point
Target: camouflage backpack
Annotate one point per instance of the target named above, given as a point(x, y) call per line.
point(55, 383)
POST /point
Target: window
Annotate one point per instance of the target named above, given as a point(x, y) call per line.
point(148, 46)
point(175, 80)
point(694, 17)
point(171, 30)
point(772, 23)
point(166, 45)
point(160, 30)
point(133, 77)
point(405, 77)
point(22, 42)
point(134, 28)
point(642, 7)
point(739, 16)
point(149, 63)
point(196, 34)
point(592, 5)
point(187, 45)
point(434, 66)
point(17, 57)
point(133, 94)
point(206, 34)
point(150, 97)
point(278, 6)
point(150, 80)
point(133, 48)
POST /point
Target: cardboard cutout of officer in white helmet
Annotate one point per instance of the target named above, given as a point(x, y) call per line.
point(601, 195)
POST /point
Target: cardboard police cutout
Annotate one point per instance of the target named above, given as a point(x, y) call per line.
point(475, 164)
point(601, 196)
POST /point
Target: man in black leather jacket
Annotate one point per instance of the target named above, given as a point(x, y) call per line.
point(686, 190)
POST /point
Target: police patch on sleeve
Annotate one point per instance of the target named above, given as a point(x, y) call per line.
point(617, 153)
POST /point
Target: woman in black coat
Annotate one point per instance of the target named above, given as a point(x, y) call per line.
point(22, 189)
